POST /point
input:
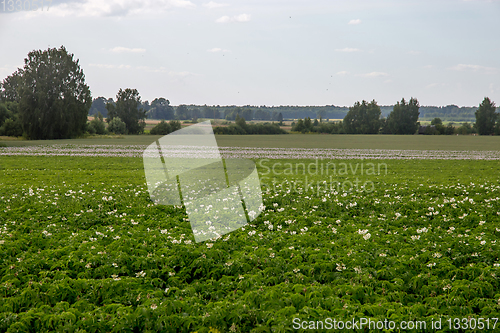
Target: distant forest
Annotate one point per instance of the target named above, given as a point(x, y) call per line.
point(160, 108)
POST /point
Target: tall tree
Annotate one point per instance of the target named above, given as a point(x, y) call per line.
point(486, 117)
point(247, 113)
point(182, 112)
point(161, 109)
point(53, 97)
point(128, 109)
point(9, 87)
point(99, 105)
point(209, 112)
point(363, 118)
point(404, 117)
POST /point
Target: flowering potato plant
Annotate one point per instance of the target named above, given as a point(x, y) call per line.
point(83, 248)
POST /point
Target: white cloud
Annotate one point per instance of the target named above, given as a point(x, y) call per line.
point(375, 74)
point(217, 49)
point(180, 74)
point(353, 22)
point(236, 18)
point(342, 73)
point(148, 69)
point(348, 49)
point(97, 8)
point(475, 68)
point(120, 49)
point(106, 66)
point(212, 5)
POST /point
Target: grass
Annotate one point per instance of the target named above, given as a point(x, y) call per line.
point(409, 142)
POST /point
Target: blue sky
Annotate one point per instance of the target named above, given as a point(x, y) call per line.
point(272, 52)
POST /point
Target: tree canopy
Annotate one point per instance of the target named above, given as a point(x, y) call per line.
point(404, 117)
point(486, 117)
point(363, 118)
point(161, 109)
point(52, 96)
point(99, 105)
point(128, 108)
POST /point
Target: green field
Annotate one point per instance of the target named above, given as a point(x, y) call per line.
point(83, 248)
point(407, 142)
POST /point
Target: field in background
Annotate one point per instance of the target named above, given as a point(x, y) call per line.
point(394, 142)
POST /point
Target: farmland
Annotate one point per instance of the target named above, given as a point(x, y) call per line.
point(83, 247)
point(408, 142)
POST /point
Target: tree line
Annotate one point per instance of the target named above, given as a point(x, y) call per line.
point(49, 99)
point(365, 118)
point(160, 108)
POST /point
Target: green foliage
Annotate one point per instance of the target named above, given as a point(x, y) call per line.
point(117, 126)
point(11, 127)
point(53, 97)
point(128, 109)
point(439, 127)
point(404, 117)
point(94, 254)
point(175, 125)
point(486, 117)
point(465, 129)
point(161, 109)
point(164, 128)
point(306, 126)
point(447, 113)
point(241, 127)
point(210, 113)
point(4, 114)
point(99, 106)
point(97, 125)
point(240, 121)
point(363, 118)
point(182, 112)
point(9, 87)
point(232, 114)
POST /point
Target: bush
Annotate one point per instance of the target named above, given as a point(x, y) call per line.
point(164, 128)
point(117, 126)
point(241, 127)
point(96, 126)
point(11, 127)
point(305, 126)
point(175, 125)
point(465, 129)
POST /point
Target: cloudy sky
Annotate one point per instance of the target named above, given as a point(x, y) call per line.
point(270, 52)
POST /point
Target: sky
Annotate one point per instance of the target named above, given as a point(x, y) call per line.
point(269, 52)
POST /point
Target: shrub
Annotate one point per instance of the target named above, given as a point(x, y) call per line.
point(117, 126)
point(241, 127)
point(162, 128)
point(96, 126)
point(465, 129)
point(11, 127)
